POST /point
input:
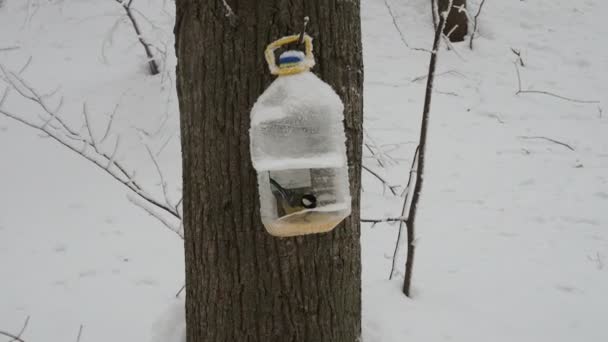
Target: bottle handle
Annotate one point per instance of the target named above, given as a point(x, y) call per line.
point(306, 64)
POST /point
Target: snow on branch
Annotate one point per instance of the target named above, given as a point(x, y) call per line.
point(150, 209)
point(126, 5)
point(88, 146)
point(232, 18)
point(381, 179)
point(376, 151)
point(384, 220)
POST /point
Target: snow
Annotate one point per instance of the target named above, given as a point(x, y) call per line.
point(512, 239)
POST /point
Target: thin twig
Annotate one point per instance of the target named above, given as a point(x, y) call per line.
point(9, 48)
point(542, 92)
point(29, 93)
point(9, 335)
point(555, 95)
point(79, 333)
point(519, 58)
point(8, 90)
point(475, 23)
point(145, 205)
point(111, 121)
point(550, 140)
point(384, 220)
point(373, 173)
point(303, 31)
point(232, 18)
point(451, 47)
point(396, 25)
point(162, 178)
point(154, 70)
point(128, 182)
point(52, 131)
point(27, 320)
point(404, 210)
point(378, 153)
point(88, 125)
point(423, 77)
point(112, 159)
point(25, 66)
point(180, 291)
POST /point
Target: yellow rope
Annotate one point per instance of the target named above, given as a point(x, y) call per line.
point(306, 64)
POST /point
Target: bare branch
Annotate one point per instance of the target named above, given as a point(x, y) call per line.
point(154, 70)
point(10, 48)
point(179, 203)
point(85, 113)
point(447, 36)
point(28, 92)
point(101, 160)
point(164, 145)
point(9, 335)
point(162, 178)
point(518, 78)
point(404, 210)
point(180, 291)
point(112, 159)
point(450, 72)
point(109, 38)
point(8, 90)
point(396, 25)
point(25, 66)
point(145, 205)
point(519, 58)
point(451, 46)
point(384, 182)
point(475, 24)
point(111, 121)
point(17, 338)
point(232, 18)
point(384, 220)
point(555, 95)
point(79, 333)
point(542, 92)
point(375, 150)
point(550, 140)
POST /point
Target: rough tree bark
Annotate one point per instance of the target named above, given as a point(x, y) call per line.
point(243, 284)
point(458, 18)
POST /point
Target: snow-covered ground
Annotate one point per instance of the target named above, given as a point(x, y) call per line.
point(513, 229)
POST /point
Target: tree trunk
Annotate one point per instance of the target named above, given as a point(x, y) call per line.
point(242, 283)
point(456, 19)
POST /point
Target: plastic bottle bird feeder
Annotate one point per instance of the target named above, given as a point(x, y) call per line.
point(298, 147)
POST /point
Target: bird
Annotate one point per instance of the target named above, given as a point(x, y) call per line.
point(291, 201)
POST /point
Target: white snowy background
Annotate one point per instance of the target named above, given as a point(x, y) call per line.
point(512, 233)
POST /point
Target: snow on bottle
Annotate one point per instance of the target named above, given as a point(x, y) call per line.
point(298, 147)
